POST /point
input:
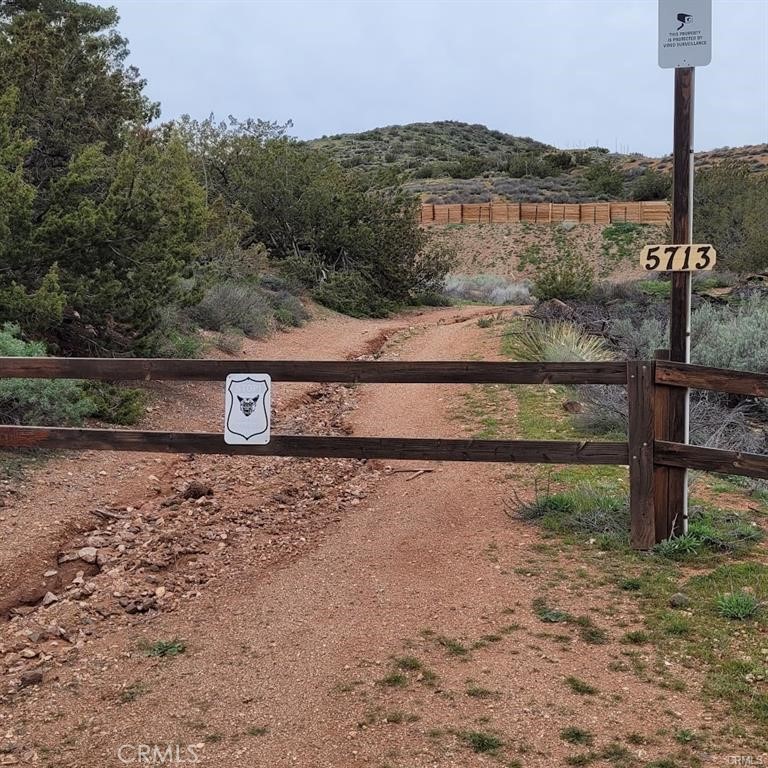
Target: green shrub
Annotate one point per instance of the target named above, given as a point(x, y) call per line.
point(574, 735)
point(554, 342)
point(604, 178)
point(235, 305)
point(114, 404)
point(731, 337)
point(482, 742)
point(174, 336)
point(652, 185)
point(730, 209)
point(710, 531)
point(352, 294)
point(302, 270)
point(564, 274)
point(738, 605)
point(587, 509)
point(43, 402)
point(38, 311)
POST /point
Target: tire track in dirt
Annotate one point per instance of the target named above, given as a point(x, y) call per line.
point(285, 665)
point(44, 510)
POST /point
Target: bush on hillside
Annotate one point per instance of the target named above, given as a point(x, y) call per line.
point(351, 293)
point(604, 178)
point(235, 305)
point(487, 289)
point(652, 185)
point(730, 209)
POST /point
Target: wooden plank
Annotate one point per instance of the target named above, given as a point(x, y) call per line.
point(350, 371)
point(640, 395)
point(661, 474)
point(676, 374)
point(422, 449)
point(710, 459)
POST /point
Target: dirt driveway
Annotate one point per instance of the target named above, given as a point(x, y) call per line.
point(331, 613)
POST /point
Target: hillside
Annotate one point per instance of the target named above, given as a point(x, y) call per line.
point(452, 162)
point(419, 149)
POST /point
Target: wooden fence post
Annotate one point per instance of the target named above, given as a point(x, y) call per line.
point(641, 377)
point(667, 522)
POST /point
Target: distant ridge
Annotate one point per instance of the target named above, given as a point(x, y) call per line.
point(454, 162)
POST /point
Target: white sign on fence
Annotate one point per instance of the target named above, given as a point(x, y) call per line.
point(247, 409)
point(685, 33)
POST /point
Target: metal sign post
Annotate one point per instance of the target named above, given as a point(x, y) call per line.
point(685, 41)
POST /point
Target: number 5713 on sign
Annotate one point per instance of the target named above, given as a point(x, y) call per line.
point(678, 258)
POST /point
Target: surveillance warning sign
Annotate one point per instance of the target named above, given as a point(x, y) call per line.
point(247, 409)
point(685, 33)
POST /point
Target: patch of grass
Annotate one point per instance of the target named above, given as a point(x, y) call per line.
point(547, 614)
point(636, 739)
point(213, 738)
point(454, 647)
point(408, 663)
point(586, 508)
point(738, 606)
point(631, 584)
point(675, 625)
point(257, 730)
point(480, 741)
point(577, 685)
point(685, 736)
point(394, 680)
point(590, 633)
point(636, 637)
point(710, 531)
point(166, 648)
point(616, 753)
point(574, 735)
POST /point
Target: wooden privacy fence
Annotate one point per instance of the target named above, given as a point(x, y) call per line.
point(651, 212)
point(655, 515)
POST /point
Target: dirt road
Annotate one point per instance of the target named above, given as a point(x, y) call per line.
point(396, 630)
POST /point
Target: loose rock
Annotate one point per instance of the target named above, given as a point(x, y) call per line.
point(679, 600)
point(88, 554)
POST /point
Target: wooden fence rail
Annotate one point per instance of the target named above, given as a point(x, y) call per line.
point(644, 212)
point(647, 452)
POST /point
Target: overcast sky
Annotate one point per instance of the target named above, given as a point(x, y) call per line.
point(568, 72)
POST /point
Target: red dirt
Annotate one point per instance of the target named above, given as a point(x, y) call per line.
point(297, 584)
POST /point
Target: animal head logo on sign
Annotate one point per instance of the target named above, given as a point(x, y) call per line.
point(247, 408)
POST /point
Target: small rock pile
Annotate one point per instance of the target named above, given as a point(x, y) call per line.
point(224, 514)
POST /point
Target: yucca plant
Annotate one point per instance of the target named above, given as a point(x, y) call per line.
point(557, 341)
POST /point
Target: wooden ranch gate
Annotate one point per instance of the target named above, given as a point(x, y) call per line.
point(652, 458)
